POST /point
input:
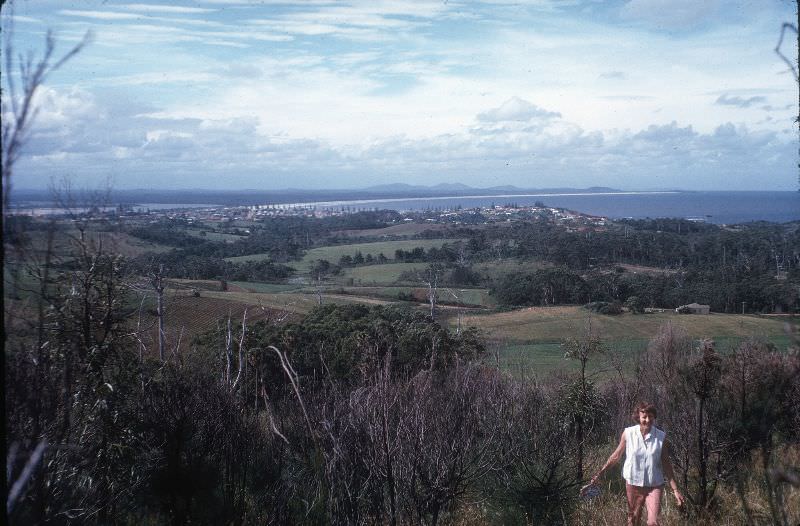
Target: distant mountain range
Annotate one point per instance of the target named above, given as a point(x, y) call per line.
point(296, 195)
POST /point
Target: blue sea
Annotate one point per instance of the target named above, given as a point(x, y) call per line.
point(713, 207)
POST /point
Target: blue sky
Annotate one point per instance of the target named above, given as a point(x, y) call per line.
point(232, 94)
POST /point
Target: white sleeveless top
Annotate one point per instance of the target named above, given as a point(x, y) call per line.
point(643, 457)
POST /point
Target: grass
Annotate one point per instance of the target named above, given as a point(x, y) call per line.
point(213, 236)
point(334, 252)
point(501, 267)
point(404, 229)
point(187, 316)
point(387, 248)
point(609, 508)
point(527, 341)
point(547, 324)
point(385, 274)
point(251, 286)
point(294, 301)
point(480, 297)
point(524, 360)
point(65, 242)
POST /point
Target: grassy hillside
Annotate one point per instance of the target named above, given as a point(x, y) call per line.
point(334, 252)
point(404, 229)
point(385, 274)
point(527, 341)
point(547, 324)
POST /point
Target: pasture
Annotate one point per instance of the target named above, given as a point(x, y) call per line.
point(208, 235)
point(386, 274)
point(65, 242)
point(543, 324)
point(404, 229)
point(527, 341)
point(333, 253)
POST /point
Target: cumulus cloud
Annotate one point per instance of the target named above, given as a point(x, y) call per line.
point(141, 147)
point(516, 109)
point(739, 102)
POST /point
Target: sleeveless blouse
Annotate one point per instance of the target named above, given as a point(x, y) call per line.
point(643, 457)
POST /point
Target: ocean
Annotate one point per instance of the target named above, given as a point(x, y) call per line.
point(713, 207)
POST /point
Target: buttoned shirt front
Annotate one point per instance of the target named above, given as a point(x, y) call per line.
point(643, 457)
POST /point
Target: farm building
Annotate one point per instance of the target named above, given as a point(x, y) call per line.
point(693, 308)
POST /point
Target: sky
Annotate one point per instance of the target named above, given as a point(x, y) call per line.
point(267, 94)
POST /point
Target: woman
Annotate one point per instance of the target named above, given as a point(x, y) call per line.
point(646, 464)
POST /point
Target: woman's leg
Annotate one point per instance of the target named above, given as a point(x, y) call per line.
point(636, 497)
point(653, 504)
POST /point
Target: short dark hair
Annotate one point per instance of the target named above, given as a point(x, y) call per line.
point(644, 407)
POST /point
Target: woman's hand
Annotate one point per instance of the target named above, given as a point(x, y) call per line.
point(589, 485)
point(678, 497)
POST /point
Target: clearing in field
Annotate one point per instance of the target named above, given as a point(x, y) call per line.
point(213, 236)
point(405, 229)
point(548, 324)
point(334, 252)
point(387, 248)
point(386, 274)
point(527, 341)
point(471, 298)
point(188, 316)
point(64, 242)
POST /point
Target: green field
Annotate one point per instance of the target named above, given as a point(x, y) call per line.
point(387, 248)
point(297, 302)
point(538, 324)
point(524, 342)
point(386, 274)
point(265, 287)
point(335, 252)
point(542, 358)
point(479, 297)
point(528, 340)
point(404, 229)
point(213, 236)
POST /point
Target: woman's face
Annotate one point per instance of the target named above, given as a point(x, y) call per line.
point(645, 420)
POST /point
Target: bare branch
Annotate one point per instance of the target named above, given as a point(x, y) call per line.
point(783, 57)
point(241, 350)
point(22, 112)
point(25, 476)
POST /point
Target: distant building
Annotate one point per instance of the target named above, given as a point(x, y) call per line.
point(693, 308)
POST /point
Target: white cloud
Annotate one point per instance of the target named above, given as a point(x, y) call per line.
point(433, 86)
point(237, 151)
point(516, 109)
point(100, 15)
point(155, 8)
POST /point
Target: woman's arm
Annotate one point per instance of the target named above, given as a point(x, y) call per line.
point(612, 460)
point(666, 463)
